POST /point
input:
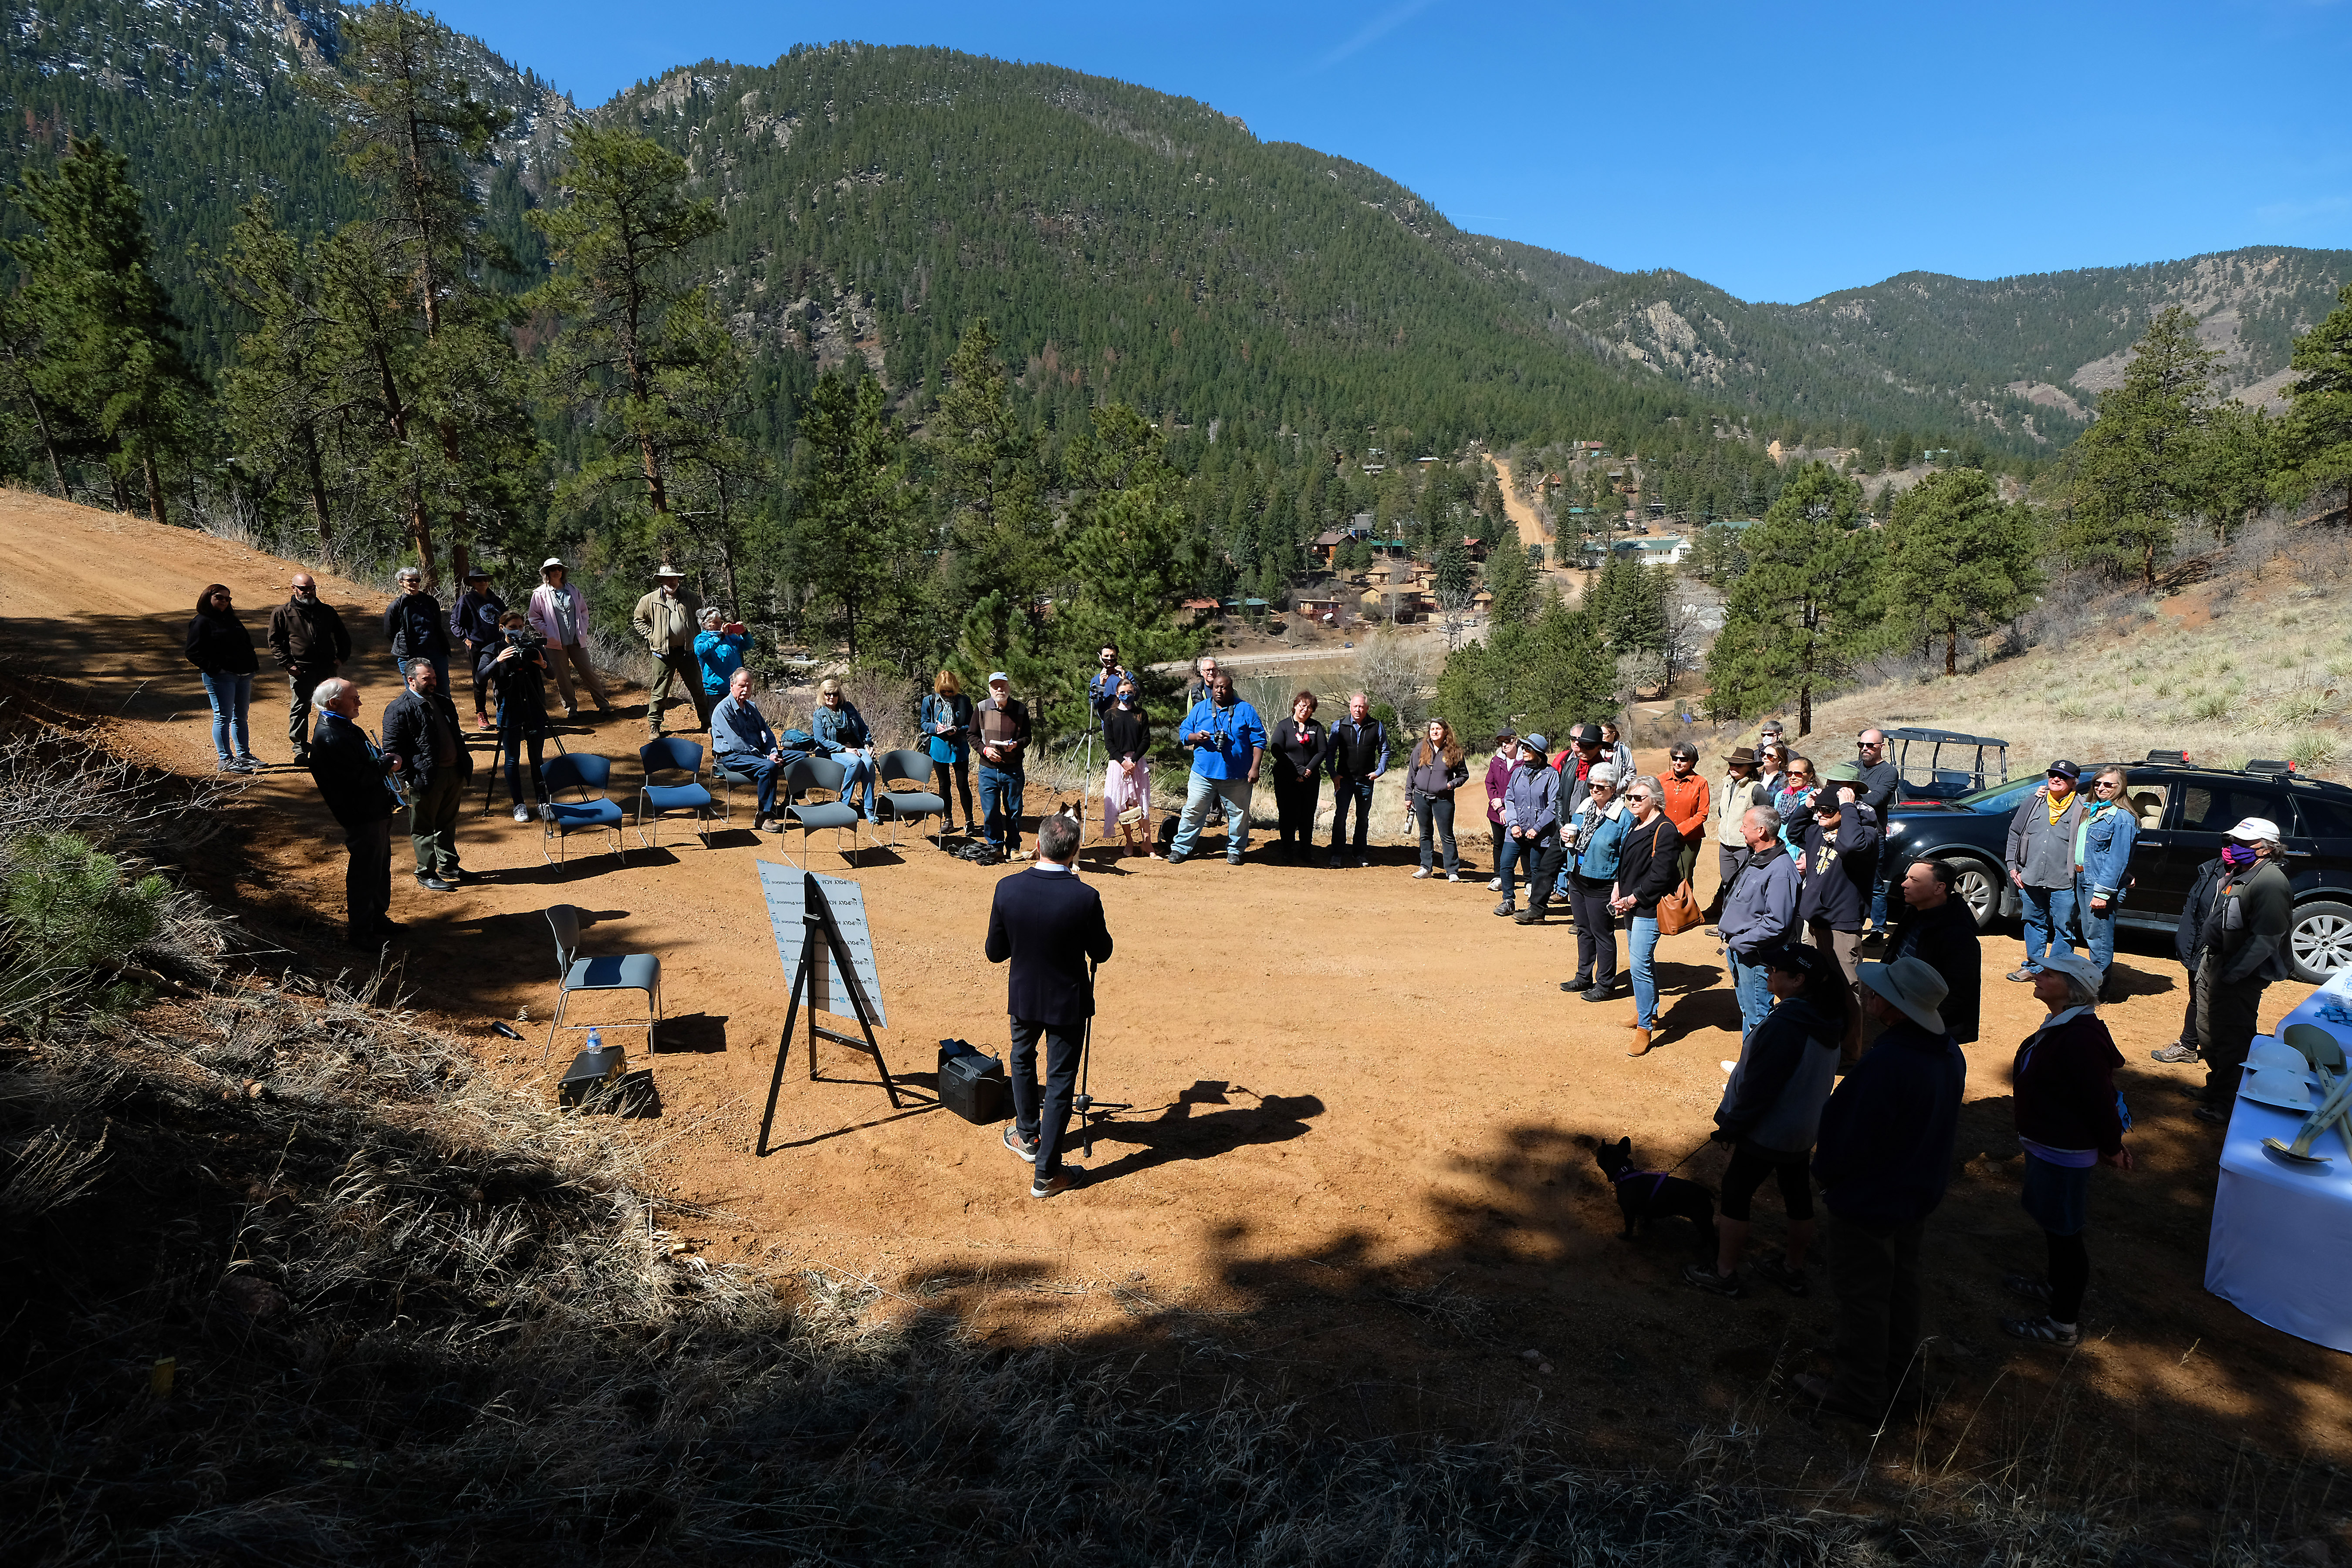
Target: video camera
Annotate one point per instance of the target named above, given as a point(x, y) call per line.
point(524, 638)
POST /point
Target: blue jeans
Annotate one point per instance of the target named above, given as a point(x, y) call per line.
point(1199, 791)
point(1344, 792)
point(855, 765)
point(999, 807)
point(2049, 922)
point(1506, 859)
point(1646, 980)
point(1878, 905)
point(2098, 929)
point(1748, 984)
point(230, 695)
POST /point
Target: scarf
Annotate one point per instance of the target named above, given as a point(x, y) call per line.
point(2058, 806)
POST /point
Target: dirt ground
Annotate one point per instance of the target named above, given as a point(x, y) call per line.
point(1358, 1162)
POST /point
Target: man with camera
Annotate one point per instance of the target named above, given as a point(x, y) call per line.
point(515, 667)
point(474, 622)
point(1049, 925)
point(421, 733)
point(352, 776)
point(1226, 738)
point(1102, 686)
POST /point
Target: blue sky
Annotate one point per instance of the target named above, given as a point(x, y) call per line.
point(1779, 153)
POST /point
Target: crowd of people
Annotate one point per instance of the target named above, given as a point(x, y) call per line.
point(1850, 1069)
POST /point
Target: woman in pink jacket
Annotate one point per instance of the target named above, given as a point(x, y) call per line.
point(559, 613)
point(1499, 779)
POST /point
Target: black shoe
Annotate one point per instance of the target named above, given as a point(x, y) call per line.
point(1776, 1271)
point(2212, 1113)
point(1581, 982)
point(435, 885)
point(1048, 1186)
point(1707, 1279)
point(1601, 994)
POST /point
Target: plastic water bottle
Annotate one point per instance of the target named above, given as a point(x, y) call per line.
point(595, 1042)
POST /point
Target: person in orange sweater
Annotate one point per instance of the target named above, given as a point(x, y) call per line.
point(1685, 800)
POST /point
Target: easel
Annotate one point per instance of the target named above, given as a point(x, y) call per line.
point(817, 927)
point(1084, 1104)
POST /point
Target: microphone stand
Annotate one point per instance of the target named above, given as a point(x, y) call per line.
point(1085, 1104)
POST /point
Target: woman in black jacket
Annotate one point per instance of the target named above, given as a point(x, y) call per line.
point(1647, 871)
point(1127, 782)
point(2070, 1121)
point(1437, 771)
point(222, 651)
point(514, 668)
point(1301, 746)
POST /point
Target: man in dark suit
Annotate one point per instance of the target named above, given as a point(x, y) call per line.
point(351, 778)
point(1939, 928)
point(1049, 924)
point(421, 729)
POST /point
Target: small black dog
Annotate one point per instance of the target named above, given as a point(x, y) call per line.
point(1653, 1194)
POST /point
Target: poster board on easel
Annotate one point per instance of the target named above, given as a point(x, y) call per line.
point(825, 945)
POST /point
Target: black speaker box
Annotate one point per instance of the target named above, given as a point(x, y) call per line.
point(974, 1087)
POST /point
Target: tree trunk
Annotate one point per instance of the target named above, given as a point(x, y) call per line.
point(155, 488)
point(1804, 710)
point(318, 485)
point(122, 493)
point(49, 445)
point(1951, 648)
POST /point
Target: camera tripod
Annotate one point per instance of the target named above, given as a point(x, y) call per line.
point(1087, 1106)
point(490, 787)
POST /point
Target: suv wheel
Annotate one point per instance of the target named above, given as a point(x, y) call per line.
point(1979, 889)
point(2320, 940)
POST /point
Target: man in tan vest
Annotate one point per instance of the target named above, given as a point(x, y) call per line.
point(664, 618)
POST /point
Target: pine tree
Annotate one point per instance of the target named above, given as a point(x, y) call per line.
point(2138, 470)
point(1510, 579)
point(106, 355)
point(1806, 608)
point(2316, 443)
point(847, 512)
point(615, 241)
point(1958, 560)
point(998, 535)
point(1125, 557)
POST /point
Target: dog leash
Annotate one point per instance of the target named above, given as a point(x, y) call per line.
point(1659, 1185)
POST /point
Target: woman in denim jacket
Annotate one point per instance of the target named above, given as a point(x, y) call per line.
point(1596, 834)
point(947, 735)
point(2103, 851)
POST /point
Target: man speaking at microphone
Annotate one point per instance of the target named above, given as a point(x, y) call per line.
point(1048, 923)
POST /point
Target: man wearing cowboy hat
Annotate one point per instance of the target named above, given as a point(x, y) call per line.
point(2240, 948)
point(665, 619)
point(559, 613)
point(1883, 1157)
point(1732, 799)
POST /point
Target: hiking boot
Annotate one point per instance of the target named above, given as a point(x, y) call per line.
point(1527, 916)
point(2175, 1054)
point(1507, 908)
point(1707, 1279)
point(1640, 1046)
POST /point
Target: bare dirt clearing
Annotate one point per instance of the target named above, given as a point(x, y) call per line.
point(1359, 1168)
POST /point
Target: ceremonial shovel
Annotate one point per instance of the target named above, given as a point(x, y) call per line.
point(2332, 1110)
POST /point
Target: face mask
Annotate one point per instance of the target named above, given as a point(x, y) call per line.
point(2237, 856)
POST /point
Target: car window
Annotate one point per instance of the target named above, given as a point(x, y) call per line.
point(2217, 807)
point(2006, 798)
point(2324, 818)
point(2146, 800)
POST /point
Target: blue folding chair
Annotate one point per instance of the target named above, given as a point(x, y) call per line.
point(672, 754)
point(617, 972)
point(728, 778)
point(583, 772)
point(816, 772)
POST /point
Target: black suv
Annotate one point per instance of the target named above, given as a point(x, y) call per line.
point(2184, 812)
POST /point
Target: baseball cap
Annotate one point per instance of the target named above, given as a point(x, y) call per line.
point(2063, 769)
point(1791, 959)
point(2256, 830)
point(998, 675)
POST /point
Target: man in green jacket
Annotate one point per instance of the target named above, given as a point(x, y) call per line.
point(665, 619)
point(2241, 948)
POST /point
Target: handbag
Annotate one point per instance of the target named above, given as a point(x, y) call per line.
point(1678, 912)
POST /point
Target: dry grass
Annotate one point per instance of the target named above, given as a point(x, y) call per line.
point(2235, 668)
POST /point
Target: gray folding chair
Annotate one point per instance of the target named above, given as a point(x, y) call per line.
point(906, 804)
point(819, 773)
point(617, 972)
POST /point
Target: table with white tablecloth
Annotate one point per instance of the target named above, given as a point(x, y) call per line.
point(2280, 1249)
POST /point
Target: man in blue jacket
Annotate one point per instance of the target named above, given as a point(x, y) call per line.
point(1883, 1157)
point(1760, 913)
point(744, 745)
point(1050, 925)
point(1228, 745)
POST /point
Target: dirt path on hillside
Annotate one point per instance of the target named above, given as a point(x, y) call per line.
point(1358, 1164)
point(1532, 530)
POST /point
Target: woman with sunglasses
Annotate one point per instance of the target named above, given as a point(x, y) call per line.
point(1647, 871)
point(1793, 800)
point(2103, 850)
